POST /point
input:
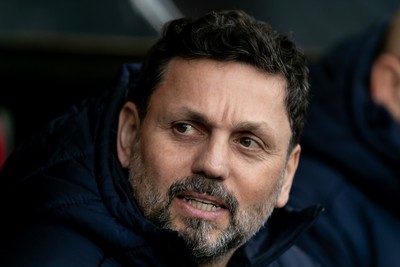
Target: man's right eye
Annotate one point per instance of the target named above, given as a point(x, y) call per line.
point(183, 127)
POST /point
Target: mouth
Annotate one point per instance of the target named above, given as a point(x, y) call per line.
point(202, 202)
point(202, 198)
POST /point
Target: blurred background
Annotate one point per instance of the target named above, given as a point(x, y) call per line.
point(55, 53)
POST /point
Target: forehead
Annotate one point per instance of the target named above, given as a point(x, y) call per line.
point(225, 92)
point(212, 75)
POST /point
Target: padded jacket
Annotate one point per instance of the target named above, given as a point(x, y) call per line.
point(66, 201)
point(350, 160)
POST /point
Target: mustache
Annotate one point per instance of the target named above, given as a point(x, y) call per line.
point(205, 185)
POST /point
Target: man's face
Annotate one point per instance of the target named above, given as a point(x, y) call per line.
point(211, 157)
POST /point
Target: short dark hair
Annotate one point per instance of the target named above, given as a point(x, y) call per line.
point(230, 35)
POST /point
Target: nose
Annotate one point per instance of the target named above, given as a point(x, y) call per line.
point(212, 159)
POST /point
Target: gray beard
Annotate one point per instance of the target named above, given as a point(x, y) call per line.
point(204, 249)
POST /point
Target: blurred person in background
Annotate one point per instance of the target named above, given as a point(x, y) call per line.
point(351, 151)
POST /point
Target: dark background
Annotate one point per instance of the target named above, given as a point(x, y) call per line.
point(54, 53)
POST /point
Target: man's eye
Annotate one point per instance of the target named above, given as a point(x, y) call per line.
point(248, 142)
point(183, 127)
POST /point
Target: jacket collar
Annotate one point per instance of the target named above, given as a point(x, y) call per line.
point(279, 234)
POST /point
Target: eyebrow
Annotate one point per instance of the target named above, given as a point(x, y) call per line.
point(252, 126)
point(240, 127)
point(197, 116)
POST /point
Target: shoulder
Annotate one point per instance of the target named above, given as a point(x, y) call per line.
point(48, 244)
point(295, 257)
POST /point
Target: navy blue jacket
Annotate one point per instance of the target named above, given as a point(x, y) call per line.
point(350, 161)
point(66, 201)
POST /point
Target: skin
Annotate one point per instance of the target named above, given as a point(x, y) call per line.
point(385, 83)
point(385, 72)
point(227, 124)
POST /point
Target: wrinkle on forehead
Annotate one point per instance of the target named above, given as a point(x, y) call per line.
point(227, 93)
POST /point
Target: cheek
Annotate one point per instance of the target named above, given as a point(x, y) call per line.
point(165, 165)
point(257, 187)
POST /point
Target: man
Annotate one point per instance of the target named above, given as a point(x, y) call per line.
point(351, 151)
point(180, 167)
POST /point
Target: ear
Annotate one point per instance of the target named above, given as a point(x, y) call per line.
point(128, 127)
point(291, 167)
point(385, 82)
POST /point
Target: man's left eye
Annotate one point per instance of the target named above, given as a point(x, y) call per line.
point(248, 142)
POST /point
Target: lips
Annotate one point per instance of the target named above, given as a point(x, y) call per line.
point(201, 196)
point(202, 201)
point(202, 204)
